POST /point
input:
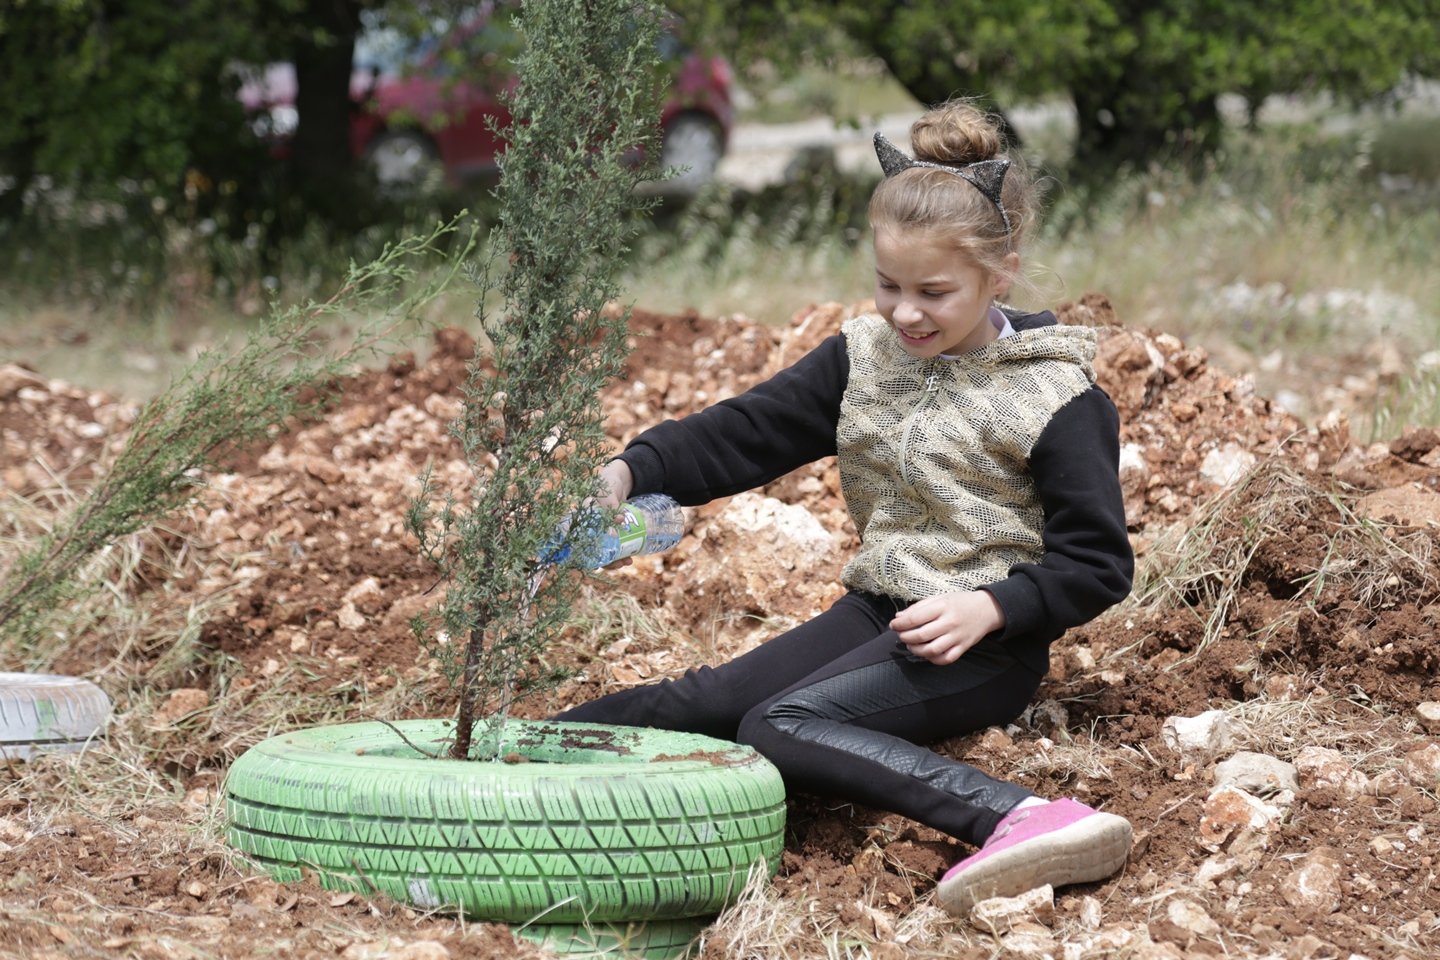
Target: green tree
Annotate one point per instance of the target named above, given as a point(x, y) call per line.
point(531, 429)
point(138, 99)
point(1144, 75)
point(104, 92)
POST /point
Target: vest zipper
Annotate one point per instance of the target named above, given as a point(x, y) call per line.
point(932, 387)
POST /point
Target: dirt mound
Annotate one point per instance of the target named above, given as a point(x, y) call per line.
point(1290, 580)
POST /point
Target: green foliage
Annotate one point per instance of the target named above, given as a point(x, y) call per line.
point(1144, 76)
point(531, 429)
point(97, 92)
point(221, 403)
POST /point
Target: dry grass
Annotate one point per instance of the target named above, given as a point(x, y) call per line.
point(1203, 564)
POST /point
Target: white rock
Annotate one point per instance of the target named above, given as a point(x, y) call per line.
point(1197, 739)
point(1090, 914)
point(1429, 716)
point(366, 596)
point(1029, 940)
point(1322, 769)
point(14, 378)
point(1256, 773)
point(1132, 459)
point(778, 523)
point(1215, 869)
point(1000, 914)
point(1422, 766)
point(1230, 811)
point(349, 618)
point(1226, 465)
point(1192, 918)
point(1314, 884)
point(1112, 941)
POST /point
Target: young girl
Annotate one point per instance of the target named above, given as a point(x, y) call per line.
point(979, 463)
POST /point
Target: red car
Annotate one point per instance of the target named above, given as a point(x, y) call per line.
point(420, 117)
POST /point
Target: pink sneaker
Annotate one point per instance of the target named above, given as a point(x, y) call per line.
point(1059, 843)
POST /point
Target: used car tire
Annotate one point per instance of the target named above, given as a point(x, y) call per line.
point(653, 940)
point(48, 712)
point(695, 142)
point(404, 161)
point(591, 824)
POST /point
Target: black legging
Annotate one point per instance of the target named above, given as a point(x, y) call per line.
point(840, 707)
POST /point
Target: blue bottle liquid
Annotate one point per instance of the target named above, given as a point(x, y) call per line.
point(649, 523)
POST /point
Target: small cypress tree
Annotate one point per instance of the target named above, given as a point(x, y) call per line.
point(532, 430)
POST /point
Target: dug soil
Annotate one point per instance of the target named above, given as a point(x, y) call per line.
point(1289, 580)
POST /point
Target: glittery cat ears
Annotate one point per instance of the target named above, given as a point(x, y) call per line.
point(987, 176)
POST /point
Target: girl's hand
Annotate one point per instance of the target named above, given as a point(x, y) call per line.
point(941, 628)
point(616, 481)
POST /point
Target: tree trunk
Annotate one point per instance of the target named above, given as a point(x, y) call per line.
point(321, 164)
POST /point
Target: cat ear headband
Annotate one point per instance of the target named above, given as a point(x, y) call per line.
point(987, 176)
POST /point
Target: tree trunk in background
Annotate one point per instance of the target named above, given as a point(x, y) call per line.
point(323, 170)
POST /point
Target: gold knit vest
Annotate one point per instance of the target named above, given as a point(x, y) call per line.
point(934, 454)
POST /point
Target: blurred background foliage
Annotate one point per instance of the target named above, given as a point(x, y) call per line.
point(1196, 149)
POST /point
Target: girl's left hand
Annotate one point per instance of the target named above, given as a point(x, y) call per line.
point(941, 628)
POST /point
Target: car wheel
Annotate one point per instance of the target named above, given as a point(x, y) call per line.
point(589, 824)
point(694, 144)
point(45, 712)
point(404, 161)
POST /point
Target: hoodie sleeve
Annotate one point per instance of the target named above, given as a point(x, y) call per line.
point(748, 440)
point(1088, 562)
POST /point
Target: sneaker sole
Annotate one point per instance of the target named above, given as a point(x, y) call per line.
point(1090, 849)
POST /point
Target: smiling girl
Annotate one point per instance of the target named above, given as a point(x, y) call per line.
point(978, 461)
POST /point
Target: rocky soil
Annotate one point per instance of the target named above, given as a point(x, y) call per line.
point(1262, 709)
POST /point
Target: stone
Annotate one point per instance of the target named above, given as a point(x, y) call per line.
point(1422, 766)
point(349, 618)
point(1184, 923)
point(1428, 713)
point(1215, 869)
point(999, 915)
point(1326, 777)
point(1228, 812)
point(1225, 465)
point(14, 378)
point(1411, 505)
point(1156, 951)
point(1200, 738)
point(178, 705)
point(1314, 884)
point(1091, 916)
point(1257, 774)
point(366, 596)
point(326, 471)
point(1029, 940)
point(1109, 942)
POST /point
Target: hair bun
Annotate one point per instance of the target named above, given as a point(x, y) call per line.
point(956, 133)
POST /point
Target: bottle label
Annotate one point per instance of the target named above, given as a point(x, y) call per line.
point(629, 531)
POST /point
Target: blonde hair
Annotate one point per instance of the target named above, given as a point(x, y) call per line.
point(950, 208)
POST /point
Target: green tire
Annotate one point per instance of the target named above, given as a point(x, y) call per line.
point(600, 824)
point(652, 940)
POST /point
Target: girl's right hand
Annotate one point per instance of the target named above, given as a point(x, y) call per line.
point(616, 482)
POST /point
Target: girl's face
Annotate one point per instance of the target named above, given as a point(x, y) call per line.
point(935, 298)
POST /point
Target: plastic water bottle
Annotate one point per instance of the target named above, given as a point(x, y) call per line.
point(649, 523)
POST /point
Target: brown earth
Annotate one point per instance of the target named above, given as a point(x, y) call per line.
point(1308, 611)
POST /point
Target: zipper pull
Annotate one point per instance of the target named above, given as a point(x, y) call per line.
point(930, 385)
